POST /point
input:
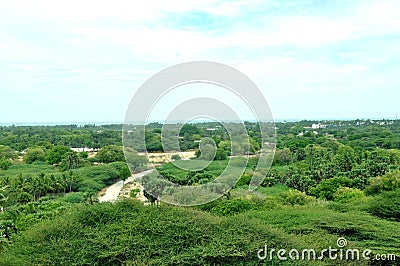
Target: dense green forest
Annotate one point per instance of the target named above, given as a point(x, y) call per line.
point(329, 179)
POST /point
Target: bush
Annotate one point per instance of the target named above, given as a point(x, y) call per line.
point(74, 197)
point(134, 192)
point(387, 205)
point(388, 182)
point(162, 235)
point(33, 155)
point(56, 154)
point(5, 164)
point(295, 197)
point(232, 207)
point(109, 154)
point(7, 153)
point(89, 185)
point(243, 181)
point(345, 194)
point(327, 188)
point(220, 155)
point(176, 157)
point(95, 178)
point(84, 155)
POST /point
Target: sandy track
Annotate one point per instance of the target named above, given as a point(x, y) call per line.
point(114, 190)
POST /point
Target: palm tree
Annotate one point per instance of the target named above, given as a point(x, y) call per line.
point(55, 183)
point(3, 198)
point(72, 160)
point(72, 178)
point(7, 226)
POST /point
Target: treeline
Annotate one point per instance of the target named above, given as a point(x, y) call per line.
point(91, 136)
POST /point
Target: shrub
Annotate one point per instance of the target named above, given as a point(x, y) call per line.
point(134, 192)
point(5, 164)
point(111, 153)
point(89, 185)
point(74, 197)
point(295, 197)
point(176, 157)
point(327, 188)
point(56, 154)
point(33, 155)
point(162, 235)
point(345, 194)
point(220, 155)
point(388, 182)
point(84, 155)
point(243, 181)
point(232, 207)
point(7, 153)
point(387, 205)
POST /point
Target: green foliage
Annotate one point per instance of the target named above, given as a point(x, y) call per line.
point(84, 154)
point(70, 161)
point(176, 157)
point(90, 186)
point(345, 158)
point(35, 212)
point(23, 197)
point(56, 154)
point(73, 197)
point(134, 192)
point(135, 160)
point(327, 188)
point(283, 157)
point(335, 164)
point(295, 197)
point(220, 155)
point(388, 182)
point(387, 205)
point(94, 178)
point(231, 207)
point(345, 194)
point(109, 154)
point(177, 236)
point(244, 180)
point(5, 164)
point(174, 237)
point(7, 153)
point(33, 155)
point(124, 173)
point(22, 137)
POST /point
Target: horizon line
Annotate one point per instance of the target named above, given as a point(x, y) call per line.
point(116, 122)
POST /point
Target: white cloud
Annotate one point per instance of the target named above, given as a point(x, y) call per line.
point(95, 48)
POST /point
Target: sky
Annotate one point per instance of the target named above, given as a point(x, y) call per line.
point(63, 61)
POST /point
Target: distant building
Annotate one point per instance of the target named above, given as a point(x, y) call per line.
point(319, 125)
point(83, 149)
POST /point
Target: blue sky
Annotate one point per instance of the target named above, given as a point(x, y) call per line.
point(83, 60)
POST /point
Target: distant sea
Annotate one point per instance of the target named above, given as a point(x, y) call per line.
point(80, 123)
point(59, 123)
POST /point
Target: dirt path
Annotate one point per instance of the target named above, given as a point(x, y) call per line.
point(114, 190)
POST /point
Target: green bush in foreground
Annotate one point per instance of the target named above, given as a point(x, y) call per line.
point(232, 207)
point(132, 234)
point(387, 205)
point(295, 197)
point(345, 194)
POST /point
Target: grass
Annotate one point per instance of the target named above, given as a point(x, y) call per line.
point(27, 169)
